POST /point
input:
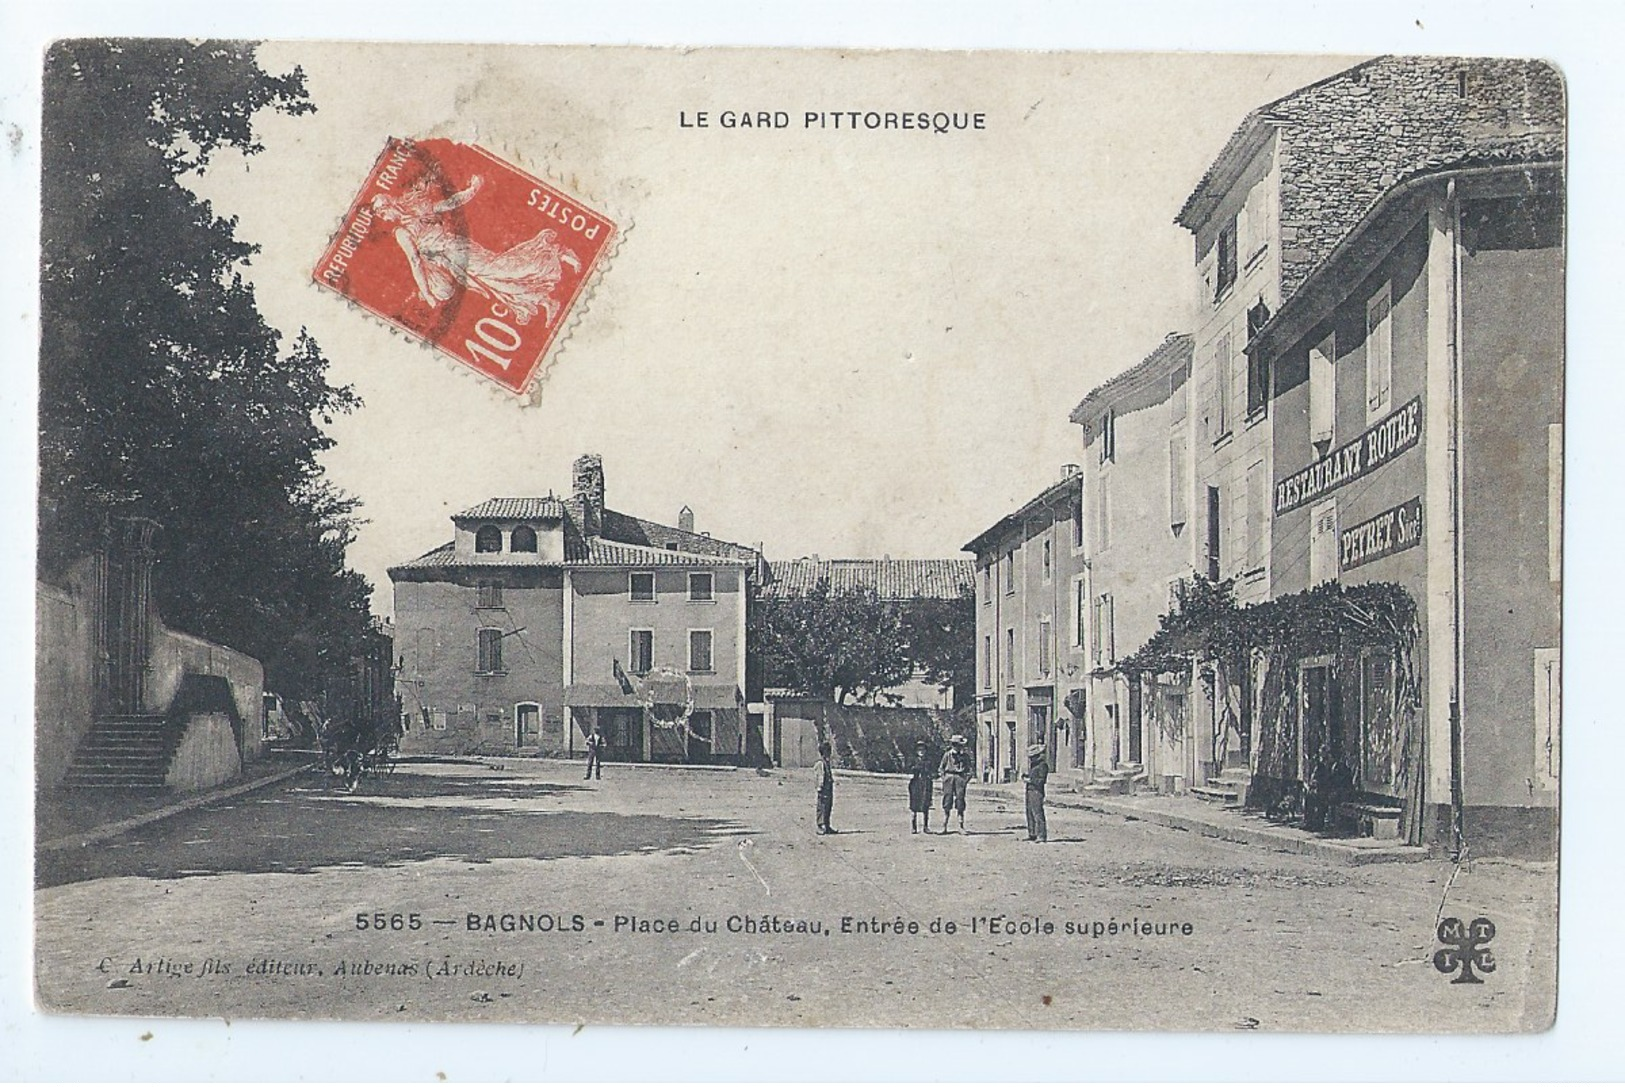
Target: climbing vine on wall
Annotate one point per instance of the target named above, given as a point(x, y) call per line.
point(1206, 627)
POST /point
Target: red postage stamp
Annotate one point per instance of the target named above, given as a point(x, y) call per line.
point(449, 243)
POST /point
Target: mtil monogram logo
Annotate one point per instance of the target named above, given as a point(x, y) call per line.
point(1466, 948)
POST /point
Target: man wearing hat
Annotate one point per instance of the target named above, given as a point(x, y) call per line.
point(1037, 775)
point(955, 771)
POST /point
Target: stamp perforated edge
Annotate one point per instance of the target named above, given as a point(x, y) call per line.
point(531, 394)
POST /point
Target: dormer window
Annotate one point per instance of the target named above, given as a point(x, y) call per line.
point(488, 540)
point(523, 539)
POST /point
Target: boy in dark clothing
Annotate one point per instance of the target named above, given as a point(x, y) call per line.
point(1037, 776)
point(825, 771)
point(595, 754)
point(919, 789)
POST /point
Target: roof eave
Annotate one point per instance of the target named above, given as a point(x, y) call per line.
point(1297, 312)
point(1174, 349)
point(1045, 499)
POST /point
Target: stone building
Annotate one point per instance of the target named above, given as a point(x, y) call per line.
point(544, 617)
point(1293, 186)
point(1032, 656)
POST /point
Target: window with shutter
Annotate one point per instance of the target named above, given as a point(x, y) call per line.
point(1080, 609)
point(1223, 384)
point(1323, 557)
point(1257, 486)
point(490, 651)
point(1379, 355)
point(1178, 480)
point(1322, 393)
point(1225, 270)
point(641, 652)
point(1103, 511)
point(699, 651)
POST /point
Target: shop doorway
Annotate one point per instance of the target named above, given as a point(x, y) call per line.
point(1136, 719)
point(622, 730)
point(527, 725)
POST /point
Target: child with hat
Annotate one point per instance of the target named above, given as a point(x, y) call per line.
point(1037, 775)
point(955, 770)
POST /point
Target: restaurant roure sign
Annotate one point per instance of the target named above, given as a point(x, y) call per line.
point(1381, 443)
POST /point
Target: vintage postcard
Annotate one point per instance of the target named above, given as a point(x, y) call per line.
point(800, 538)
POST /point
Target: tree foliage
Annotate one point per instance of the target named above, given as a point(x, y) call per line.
point(163, 391)
point(849, 645)
point(941, 639)
point(843, 645)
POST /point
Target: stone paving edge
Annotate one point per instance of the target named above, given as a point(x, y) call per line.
point(1269, 838)
point(114, 829)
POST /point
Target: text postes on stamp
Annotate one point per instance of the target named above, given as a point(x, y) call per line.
point(474, 256)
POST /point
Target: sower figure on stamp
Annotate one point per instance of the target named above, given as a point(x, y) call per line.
point(1037, 776)
point(825, 771)
point(955, 770)
point(919, 789)
point(442, 257)
point(595, 754)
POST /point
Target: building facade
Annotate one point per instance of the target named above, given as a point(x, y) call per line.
point(545, 617)
point(1137, 440)
point(1288, 188)
point(1032, 658)
point(1417, 374)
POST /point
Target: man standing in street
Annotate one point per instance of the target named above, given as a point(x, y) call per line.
point(1037, 776)
point(825, 771)
point(595, 754)
point(955, 771)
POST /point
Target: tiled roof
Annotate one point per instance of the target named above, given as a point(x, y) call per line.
point(1173, 352)
point(601, 552)
point(891, 579)
point(624, 528)
point(594, 552)
point(440, 556)
point(1047, 498)
point(1346, 140)
point(515, 509)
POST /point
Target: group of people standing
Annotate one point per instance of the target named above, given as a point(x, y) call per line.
point(955, 771)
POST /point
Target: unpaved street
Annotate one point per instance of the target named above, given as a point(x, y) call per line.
point(514, 890)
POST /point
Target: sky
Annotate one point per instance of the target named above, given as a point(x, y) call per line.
point(844, 343)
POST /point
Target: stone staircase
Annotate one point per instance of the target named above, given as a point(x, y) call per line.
point(1229, 788)
point(1121, 780)
point(125, 751)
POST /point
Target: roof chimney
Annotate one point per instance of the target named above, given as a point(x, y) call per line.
point(1069, 470)
point(587, 481)
point(685, 519)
